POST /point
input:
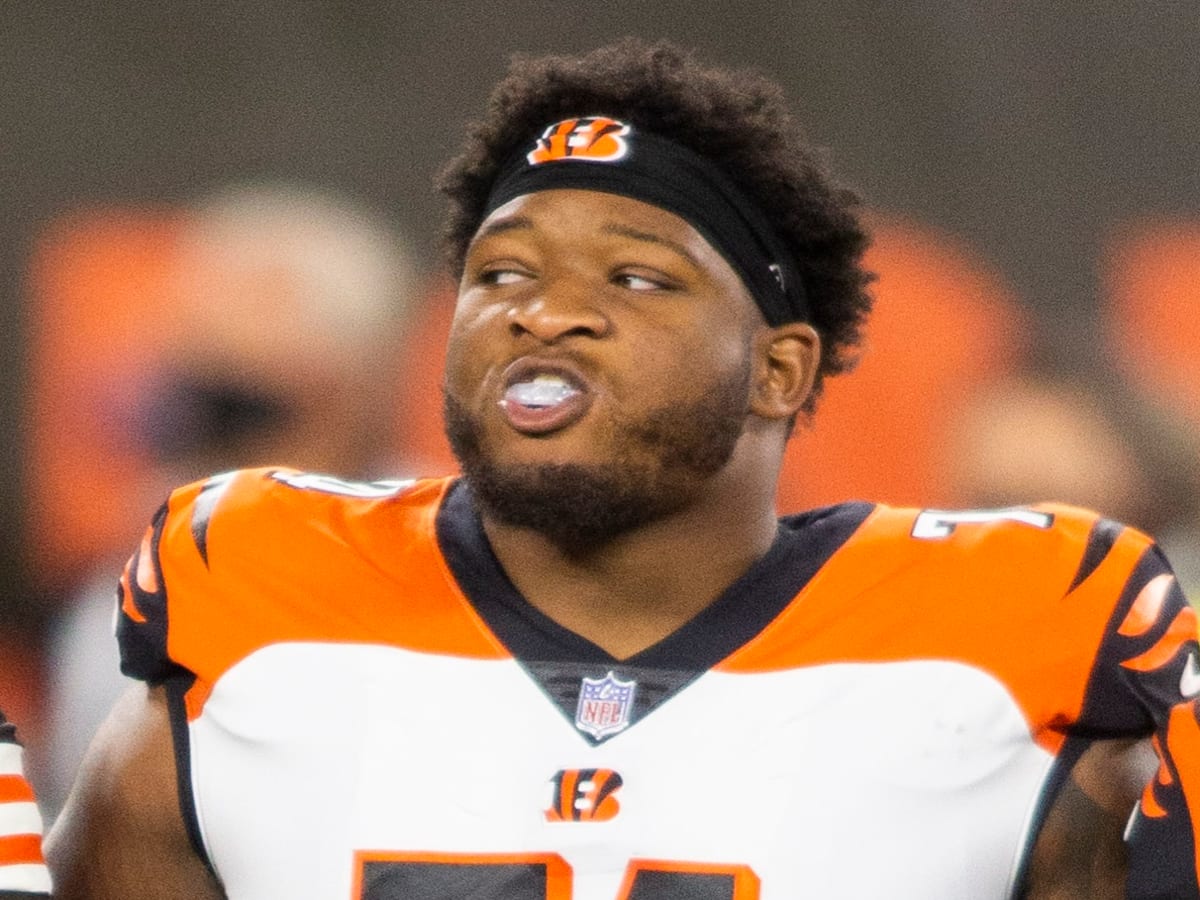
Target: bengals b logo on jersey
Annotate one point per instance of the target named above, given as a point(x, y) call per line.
point(584, 795)
point(590, 139)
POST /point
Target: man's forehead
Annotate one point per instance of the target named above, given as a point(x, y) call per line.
point(590, 214)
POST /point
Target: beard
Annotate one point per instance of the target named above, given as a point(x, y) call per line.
point(657, 464)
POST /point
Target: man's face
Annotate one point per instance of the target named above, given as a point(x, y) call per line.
point(598, 371)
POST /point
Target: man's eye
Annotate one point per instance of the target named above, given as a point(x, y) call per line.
point(502, 276)
point(638, 282)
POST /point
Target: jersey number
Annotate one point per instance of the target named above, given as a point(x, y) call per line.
point(537, 876)
point(328, 484)
point(940, 523)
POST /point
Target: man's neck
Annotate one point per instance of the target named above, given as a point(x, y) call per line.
point(631, 592)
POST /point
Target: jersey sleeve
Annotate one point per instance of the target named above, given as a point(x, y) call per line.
point(1143, 665)
point(142, 609)
point(1148, 677)
point(256, 557)
point(23, 872)
point(153, 597)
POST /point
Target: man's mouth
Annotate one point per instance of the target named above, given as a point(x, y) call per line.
point(542, 391)
point(539, 400)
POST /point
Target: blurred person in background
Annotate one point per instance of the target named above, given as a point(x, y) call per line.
point(285, 310)
point(1086, 442)
point(1150, 283)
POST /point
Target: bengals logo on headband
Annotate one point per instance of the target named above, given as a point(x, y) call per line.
point(594, 139)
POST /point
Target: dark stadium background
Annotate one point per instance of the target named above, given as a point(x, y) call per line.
point(1029, 129)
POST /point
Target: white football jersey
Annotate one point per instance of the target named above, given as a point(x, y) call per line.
point(883, 706)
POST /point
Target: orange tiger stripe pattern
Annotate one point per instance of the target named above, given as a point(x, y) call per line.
point(22, 866)
point(1146, 608)
point(1183, 629)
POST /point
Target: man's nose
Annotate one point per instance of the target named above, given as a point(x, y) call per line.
point(560, 308)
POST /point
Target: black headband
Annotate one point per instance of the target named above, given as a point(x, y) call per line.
point(601, 154)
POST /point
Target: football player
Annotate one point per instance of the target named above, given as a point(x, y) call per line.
point(597, 665)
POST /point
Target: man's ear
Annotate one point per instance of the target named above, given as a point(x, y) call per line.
point(785, 369)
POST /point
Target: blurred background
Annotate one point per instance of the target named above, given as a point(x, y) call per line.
point(217, 248)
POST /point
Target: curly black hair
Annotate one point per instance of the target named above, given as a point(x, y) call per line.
point(738, 120)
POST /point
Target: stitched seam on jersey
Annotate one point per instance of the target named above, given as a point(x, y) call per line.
point(189, 809)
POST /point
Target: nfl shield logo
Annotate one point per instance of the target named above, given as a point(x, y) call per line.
point(605, 705)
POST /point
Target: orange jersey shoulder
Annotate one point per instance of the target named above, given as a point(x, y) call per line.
point(1026, 595)
point(257, 557)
